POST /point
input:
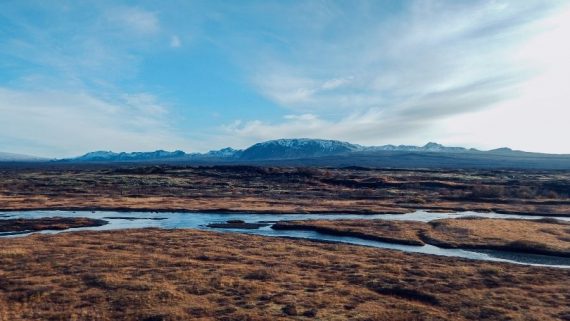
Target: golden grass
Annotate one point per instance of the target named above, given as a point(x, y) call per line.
point(542, 236)
point(151, 274)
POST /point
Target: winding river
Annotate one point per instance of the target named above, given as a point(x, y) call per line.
point(173, 220)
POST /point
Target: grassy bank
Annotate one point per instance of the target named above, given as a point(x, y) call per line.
point(547, 236)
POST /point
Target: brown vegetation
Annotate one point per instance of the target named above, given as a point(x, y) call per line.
point(547, 236)
point(152, 274)
point(283, 190)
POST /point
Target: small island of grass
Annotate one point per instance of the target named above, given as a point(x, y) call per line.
point(47, 223)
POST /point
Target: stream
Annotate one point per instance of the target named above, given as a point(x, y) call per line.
point(174, 220)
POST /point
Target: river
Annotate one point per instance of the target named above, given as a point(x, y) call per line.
point(174, 220)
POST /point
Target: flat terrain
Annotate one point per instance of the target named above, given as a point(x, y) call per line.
point(543, 236)
point(152, 274)
point(283, 190)
point(546, 236)
point(47, 223)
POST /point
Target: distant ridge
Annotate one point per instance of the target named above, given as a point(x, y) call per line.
point(334, 153)
point(429, 147)
point(108, 156)
point(294, 148)
point(11, 157)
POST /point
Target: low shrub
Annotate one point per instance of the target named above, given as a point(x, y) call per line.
point(259, 275)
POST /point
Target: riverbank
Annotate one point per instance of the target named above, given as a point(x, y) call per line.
point(152, 274)
point(545, 236)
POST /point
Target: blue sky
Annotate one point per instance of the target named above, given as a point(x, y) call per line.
point(78, 76)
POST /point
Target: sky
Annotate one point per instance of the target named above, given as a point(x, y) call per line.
point(80, 76)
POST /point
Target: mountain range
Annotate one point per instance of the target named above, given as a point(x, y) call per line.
point(278, 149)
point(321, 152)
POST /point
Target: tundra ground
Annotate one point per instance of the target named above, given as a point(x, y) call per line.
point(151, 274)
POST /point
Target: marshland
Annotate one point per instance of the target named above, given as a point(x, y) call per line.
point(260, 243)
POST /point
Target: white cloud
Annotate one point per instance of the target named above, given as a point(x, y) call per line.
point(306, 117)
point(423, 75)
point(145, 103)
point(69, 99)
point(370, 127)
point(537, 117)
point(175, 42)
point(107, 45)
point(135, 19)
point(430, 48)
point(335, 83)
point(52, 123)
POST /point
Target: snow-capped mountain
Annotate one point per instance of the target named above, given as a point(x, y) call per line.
point(107, 156)
point(502, 150)
point(429, 147)
point(273, 149)
point(227, 152)
point(297, 148)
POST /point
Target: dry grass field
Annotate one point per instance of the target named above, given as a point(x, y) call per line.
point(151, 274)
point(546, 236)
point(283, 190)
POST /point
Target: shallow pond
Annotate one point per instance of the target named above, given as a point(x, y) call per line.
point(173, 220)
